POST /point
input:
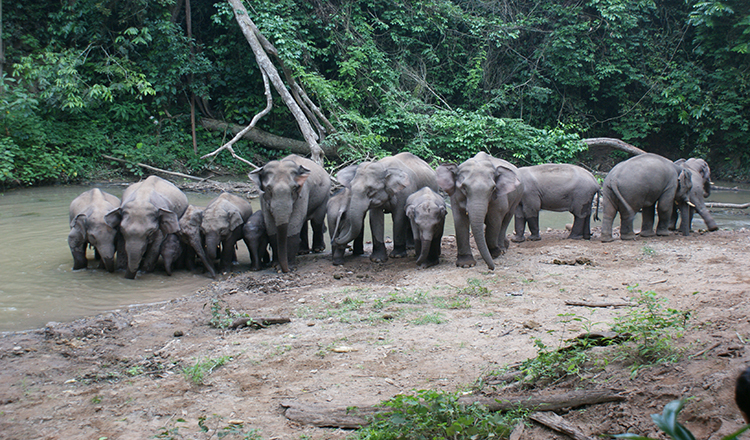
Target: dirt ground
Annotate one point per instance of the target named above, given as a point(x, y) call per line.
point(362, 333)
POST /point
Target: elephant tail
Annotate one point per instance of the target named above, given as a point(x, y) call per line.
point(598, 198)
point(626, 206)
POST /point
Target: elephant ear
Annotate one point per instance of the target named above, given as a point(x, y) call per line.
point(169, 223)
point(346, 175)
point(684, 183)
point(410, 211)
point(113, 218)
point(235, 220)
point(506, 180)
point(446, 177)
point(79, 222)
point(301, 175)
point(396, 180)
point(255, 178)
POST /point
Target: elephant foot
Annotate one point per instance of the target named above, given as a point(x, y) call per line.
point(517, 239)
point(536, 237)
point(651, 233)
point(428, 263)
point(628, 237)
point(571, 236)
point(607, 238)
point(129, 275)
point(303, 251)
point(379, 256)
point(398, 254)
point(662, 233)
point(497, 252)
point(318, 249)
point(466, 261)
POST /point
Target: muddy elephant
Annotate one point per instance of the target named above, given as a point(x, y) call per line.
point(90, 225)
point(426, 211)
point(173, 253)
point(191, 236)
point(647, 183)
point(485, 192)
point(701, 188)
point(256, 239)
point(294, 190)
point(555, 187)
point(338, 205)
point(380, 187)
point(150, 210)
point(223, 220)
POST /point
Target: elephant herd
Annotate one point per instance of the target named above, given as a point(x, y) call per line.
point(154, 219)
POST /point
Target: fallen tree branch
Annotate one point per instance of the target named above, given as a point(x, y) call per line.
point(352, 417)
point(259, 136)
point(597, 304)
point(258, 322)
point(157, 170)
point(717, 205)
point(557, 423)
point(705, 350)
point(614, 143)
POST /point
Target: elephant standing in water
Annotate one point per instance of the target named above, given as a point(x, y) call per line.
point(256, 239)
point(191, 236)
point(701, 188)
point(90, 225)
point(646, 182)
point(484, 191)
point(150, 210)
point(426, 211)
point(294, 190)
point(380, 187)
point(222, 224)
point(555, 187)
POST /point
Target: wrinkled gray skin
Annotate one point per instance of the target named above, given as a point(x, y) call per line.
point(222, 224)
point(426, 211)
point(172, 253)
point(555, 187)
point(338, 204)
point(190, 234)
point(294, 190)
point(380, 187)
point(256, 239)
point(89, 225)
point(485, 192)
point(647, 183)
point(701, 188)
point(150, 210)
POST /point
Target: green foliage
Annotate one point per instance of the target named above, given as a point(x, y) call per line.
point(667, 422)
point(198, 372)
point(209, 427)
point(650, 330)
point(431, 415)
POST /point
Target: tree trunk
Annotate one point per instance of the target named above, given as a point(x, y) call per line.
point(249, 30)
point(617, 144)
point(264, 138)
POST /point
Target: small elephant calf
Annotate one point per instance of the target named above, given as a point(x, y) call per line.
point(426, 211)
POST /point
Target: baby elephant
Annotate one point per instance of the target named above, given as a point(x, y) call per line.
point(256, 239)
point(426, 211)
point(89, 225)
point(337, 207)
point(223, 220)
point(555, 187)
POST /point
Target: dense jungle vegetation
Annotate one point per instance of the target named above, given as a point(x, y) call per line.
point(524, 80)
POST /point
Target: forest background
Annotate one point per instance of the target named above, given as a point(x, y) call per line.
point(522, 80)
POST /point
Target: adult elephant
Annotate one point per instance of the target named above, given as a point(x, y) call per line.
point(294, 190)
point(222, 224)
point(150, 210)
point(555, 187)
point(380, 187)
point(485, 192)
point(701, 188)
point(647, 183)
point(90, 225)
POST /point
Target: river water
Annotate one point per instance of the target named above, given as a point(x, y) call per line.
point(38, 285)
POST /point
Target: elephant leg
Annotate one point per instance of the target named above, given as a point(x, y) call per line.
point(520, 228)
point(647, 221)
point(377, 220)
point(665, 214)
point(464, 256)
point(417, 245)
point(433, 256)
point(410, 239)
point(579, 229)
point(318, 241)
point(401, 233)
point(358, 247)
point(587, 227)
point(534, 228)
point(626, 227)
point(304, 243)
point(337, 254)
point(293, 244)
point(226, 257)
point(151, 256)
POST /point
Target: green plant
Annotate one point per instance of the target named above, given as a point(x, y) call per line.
point(649, 331)
point(222, 316)
point(475, 287)
point(431, 414)
point(667, 422)
point(211, 426)
point(197, 373)
point(429, 318)
point(648, 250)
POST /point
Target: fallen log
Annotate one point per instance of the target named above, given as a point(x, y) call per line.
point(257, 322)
point(352, 417)
point(597, 304)
point(718, 205)
point(614, 143)
point(557, 423)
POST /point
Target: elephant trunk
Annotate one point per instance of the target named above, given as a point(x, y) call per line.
point(352, 224)
point(476, 219)
point(107, 255)
point(282, 246)
point(197, 246)
point(424, 251)
point(700, 207)
point(212, 246)
point(135, 252)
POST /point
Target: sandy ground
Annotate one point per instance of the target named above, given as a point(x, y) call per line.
point(362, 333)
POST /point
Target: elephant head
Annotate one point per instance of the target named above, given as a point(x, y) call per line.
point(480, 188)
point(426, 212)
point(281, 183)
point(372, 185)
point(701, 188)
point(90, 224)
point(190, 234)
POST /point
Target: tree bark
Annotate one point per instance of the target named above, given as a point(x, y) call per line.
point(249, 30)
point(557, 423)
point(614, 143)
